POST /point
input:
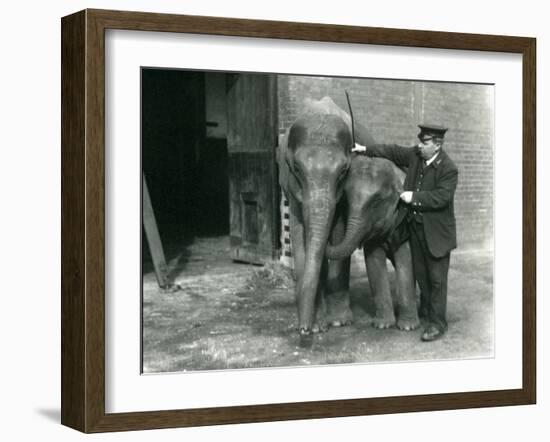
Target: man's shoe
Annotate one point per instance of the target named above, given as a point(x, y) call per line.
point(432, 333)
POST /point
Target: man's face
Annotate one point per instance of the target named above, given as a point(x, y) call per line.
point(428, 148)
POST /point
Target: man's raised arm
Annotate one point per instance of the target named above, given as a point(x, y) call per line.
point(401, 156)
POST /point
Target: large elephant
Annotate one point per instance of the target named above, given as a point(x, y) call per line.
point(374, 221)
point(314, 159)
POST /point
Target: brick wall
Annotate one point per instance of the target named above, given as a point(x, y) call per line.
point(392, 109)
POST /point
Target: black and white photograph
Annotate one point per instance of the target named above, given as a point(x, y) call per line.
point(269, 221)
point(293, 220)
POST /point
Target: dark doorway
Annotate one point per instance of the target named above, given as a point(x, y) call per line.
point(184, 155)
point(208, 156)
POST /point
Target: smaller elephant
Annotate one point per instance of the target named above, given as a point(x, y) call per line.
point(375, 221)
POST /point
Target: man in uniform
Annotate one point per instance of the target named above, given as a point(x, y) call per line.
point(429, 190)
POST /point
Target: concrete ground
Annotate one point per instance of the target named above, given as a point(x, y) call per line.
point(230, 315)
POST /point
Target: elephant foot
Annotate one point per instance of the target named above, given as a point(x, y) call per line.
point(383, 322)
point(306, 338)
point(341, 320)
point(408, 324)
point(317, 327)
point(320, 327)
point(338, 309)
point(341, 323)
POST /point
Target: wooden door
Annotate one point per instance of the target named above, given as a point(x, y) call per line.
point(251, 142)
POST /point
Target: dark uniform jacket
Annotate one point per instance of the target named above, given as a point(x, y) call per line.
point(433, 190)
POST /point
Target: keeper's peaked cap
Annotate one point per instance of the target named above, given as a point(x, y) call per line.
point(429, 131)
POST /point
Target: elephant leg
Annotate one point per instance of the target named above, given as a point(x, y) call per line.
point(337, 282)
point(337, 293)
point(379, 281)
point(407, 313)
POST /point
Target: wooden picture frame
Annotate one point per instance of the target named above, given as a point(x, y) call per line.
point(83, 220)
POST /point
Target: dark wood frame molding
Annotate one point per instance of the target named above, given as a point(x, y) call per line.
point(83, 216)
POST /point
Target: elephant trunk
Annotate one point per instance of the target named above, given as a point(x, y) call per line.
point(318, 219)
point(355, 232)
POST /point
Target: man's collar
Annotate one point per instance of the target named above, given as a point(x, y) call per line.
point(433, 160)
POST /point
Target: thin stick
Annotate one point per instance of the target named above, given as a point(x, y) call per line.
point(351, 116)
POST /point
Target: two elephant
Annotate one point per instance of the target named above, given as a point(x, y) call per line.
point(339, 201)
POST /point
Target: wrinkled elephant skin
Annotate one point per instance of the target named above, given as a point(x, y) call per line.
point(313, 163)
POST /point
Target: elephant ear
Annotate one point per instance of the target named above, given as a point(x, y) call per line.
point(281, 156)
point(283, 150)
point(279, 152)
point(399, 178)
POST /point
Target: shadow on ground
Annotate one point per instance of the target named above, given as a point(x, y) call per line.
point(219, 320)
point(51, 414)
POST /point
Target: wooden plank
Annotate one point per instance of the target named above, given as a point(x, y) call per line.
point(530, 221)
point(153, 238)
point(252, 139)
point(251, 199)
point(73, 250)
point(195, 24)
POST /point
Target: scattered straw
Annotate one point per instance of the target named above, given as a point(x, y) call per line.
point(271, 276)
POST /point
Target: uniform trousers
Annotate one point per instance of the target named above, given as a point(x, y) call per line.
point(431, 274)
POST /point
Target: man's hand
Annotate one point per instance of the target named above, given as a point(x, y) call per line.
point(359, 148)
point(406, 197)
